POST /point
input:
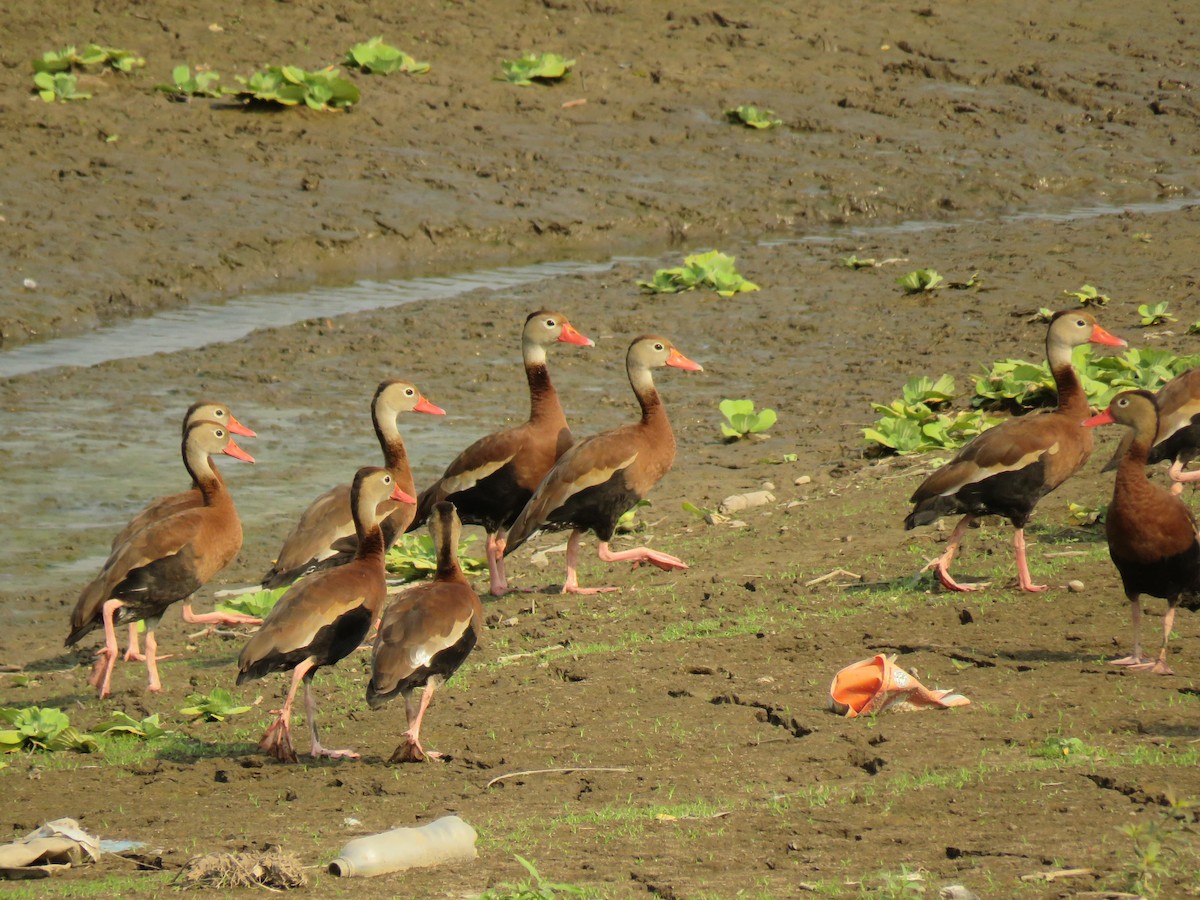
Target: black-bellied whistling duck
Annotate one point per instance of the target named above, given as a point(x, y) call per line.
point(160, 508)
point(603, 476)
point(1009, 468)
point(167, 560)
point(320, 537)
point(1151, 532)
point(1178, 436)
point(427, 632)
point(324, 617)
point(490, 482)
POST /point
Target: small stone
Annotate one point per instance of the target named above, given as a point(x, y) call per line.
point(803, 479)
point(1075, 586)
point(768, 485)
point(765, 679)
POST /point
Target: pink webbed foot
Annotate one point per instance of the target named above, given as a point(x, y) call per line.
point(943, 576)
point(318, 752)
point(1134, 661)
point(218, 618)
point(1155, 667)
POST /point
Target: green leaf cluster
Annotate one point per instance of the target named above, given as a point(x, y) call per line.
point(93, 55)
point(147, 729)
point(920, 280)
point(743, 420)
point(1161, 843)
point(41, 728)
point(914, 423)
point(216, 707)
point(535, 887)
point(258, 603)
point(57, 86)
point(853, 262)
point(185, 84)
point(414, 557)
point(377, 58)
point(1154, 314)
point(324, 89)
point(627, 523)
point(712, 270)
point(535, 67)
point(753, 117)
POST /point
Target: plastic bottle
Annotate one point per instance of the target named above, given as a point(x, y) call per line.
point(448, 839)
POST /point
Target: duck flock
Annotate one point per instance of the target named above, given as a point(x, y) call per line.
point(535, 477)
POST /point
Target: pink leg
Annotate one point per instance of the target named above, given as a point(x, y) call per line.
point(664, 561)
point(571, 585)
point(1159, 666)
point(132, 653)
point(1136, 658)
point(310, 709)
point(410, 749)
point(152, 661)
point(278, 739)
point(110, 645)
point(1023, 578)
point(495, 560)
point(218, 618)
point(941, 565)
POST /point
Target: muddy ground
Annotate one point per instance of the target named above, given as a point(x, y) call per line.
point(691, 704)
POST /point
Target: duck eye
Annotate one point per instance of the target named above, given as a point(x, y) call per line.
point(550, 323)
point(220, 432)
point(659, 347)
point(1081, 323)
point(219, 413)
point(408, 392)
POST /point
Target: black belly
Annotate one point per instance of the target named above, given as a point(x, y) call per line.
point(494, 502)
point(595, 509)
point(1009, 494)
point(1168, 577)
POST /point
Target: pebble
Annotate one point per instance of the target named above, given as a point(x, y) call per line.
point(803, 479)
point(1075, 586)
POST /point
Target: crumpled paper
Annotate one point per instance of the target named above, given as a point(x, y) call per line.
point(56, 845)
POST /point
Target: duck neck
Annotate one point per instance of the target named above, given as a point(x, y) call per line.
point(370, 536)
point(544, 405)
point(1071, 396)
point(205, 476)
point(395, 454)
point(654, 414)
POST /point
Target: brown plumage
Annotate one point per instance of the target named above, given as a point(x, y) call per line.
point(427, 632)
point(1178, 434)
point(324, 535)
point(1009, 468)
point(168, 559)
point(602, 477)
point(160, 508)
point(1151, 532)
point(325, 616)
point(490, 482)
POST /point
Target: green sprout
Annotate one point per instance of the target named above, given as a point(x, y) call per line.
point(1155, 314)
point(216, 707)
point(541, 67)
point(534, 888)
point(920, 280)
point(627, 523)
point(713, 270)
point(1084, 515)
point(325, 89)
point(185, 84)
point(853, 262)
point(753, 117)
point(377, 58)
point(57, 86)
point(743, 420)
point(1087, 295)
point(41, 728)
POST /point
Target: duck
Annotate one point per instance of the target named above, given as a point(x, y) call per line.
point(324, 536)
point(491, 480)
point(1007, 469)
point(1178, 436)
point(167, 560)
point(322, 618)
point(161, 507)
point(426, 634)
point(1151, 532)
point(603, 476)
